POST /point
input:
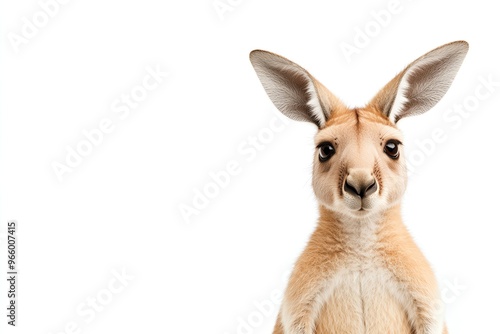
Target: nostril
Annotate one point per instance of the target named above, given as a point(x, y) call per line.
point(363, 191)
point(350, 189)
point(371, 189)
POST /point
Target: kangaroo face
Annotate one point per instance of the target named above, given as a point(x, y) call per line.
point(359, 163)
point(359, 166)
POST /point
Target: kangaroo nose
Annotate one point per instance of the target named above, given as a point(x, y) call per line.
point(361, 185)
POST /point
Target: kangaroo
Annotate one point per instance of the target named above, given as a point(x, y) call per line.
point(361, 271)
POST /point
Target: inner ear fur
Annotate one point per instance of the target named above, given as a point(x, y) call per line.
point(421, 85)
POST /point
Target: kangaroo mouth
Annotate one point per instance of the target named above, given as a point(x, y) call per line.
point(359, 205)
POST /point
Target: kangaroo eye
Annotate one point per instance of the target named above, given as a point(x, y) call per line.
point(326, 151)
point(391, 148)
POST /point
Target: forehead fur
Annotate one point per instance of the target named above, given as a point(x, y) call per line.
point(356, 115)
point(351, 121)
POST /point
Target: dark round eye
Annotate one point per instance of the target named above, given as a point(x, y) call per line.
point(326, 151)
point(391, 148)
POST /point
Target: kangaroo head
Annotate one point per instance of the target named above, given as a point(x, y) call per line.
point(359, 167)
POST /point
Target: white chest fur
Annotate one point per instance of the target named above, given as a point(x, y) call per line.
point(365, 296)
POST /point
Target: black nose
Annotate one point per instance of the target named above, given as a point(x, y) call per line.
point(360, 189)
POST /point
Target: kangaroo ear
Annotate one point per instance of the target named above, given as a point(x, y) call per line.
point(422, 83)
point(292, 89)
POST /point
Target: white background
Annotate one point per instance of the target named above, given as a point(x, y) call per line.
point(119, 209)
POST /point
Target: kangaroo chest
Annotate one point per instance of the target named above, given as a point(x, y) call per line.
point(364, 297)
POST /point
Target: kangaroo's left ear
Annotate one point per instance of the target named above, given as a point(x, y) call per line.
point(422, 83)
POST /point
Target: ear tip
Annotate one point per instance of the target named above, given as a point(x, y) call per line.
point(461, 45)
point(457, 50)
point(257, 57)
point(464, 45)
point(254, 52)
point(258, 53)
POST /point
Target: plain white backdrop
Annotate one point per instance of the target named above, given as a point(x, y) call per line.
point(104, 246)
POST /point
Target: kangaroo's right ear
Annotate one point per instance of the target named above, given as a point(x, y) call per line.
point(292, 89)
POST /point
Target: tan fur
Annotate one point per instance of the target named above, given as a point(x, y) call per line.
point(367, 276)
point(361, 272)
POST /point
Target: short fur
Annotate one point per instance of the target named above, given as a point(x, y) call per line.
point(361, 272)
